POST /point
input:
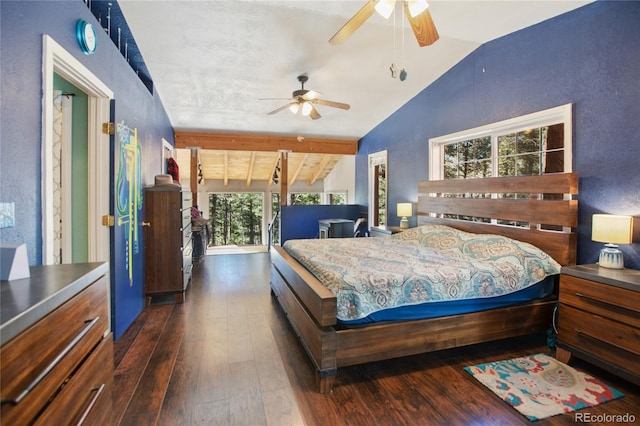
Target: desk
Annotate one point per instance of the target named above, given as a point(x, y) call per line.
point(336, 228)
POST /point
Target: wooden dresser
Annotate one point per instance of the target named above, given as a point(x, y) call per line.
point(56, 358)
point(168, 241)
point(599, 318)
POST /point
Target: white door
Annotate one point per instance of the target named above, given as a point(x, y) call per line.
point(59, 61)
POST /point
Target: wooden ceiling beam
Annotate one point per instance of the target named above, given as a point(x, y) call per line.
point(252, 162)
point(264, 143)
point(319, 169)
point(225, 176)
point(298, 169)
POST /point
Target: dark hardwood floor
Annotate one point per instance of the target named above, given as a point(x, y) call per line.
point(227, 356)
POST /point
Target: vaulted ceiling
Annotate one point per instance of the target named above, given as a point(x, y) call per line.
point(212, 61)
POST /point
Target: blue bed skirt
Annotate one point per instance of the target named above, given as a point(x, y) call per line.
point(539, 290)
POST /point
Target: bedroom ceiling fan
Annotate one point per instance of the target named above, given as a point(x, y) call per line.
point(304, 101)
point(417, 12)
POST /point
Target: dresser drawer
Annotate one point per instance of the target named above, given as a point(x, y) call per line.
point(186, 275)
point(187, 235)
point(86, 398)
point(187, 199)
point(186, 219)
point(611, 341)
point(34, 364)
point(609, 301)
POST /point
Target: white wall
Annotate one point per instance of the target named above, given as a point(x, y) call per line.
point(343, 178)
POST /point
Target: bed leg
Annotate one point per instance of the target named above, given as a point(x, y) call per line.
point(563, 355)
point(325, 381)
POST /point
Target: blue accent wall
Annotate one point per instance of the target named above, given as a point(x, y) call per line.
point(589, 57)
point(302, 221)
point(22, 25)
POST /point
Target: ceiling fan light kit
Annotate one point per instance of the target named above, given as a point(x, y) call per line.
point(304, 101)
point(416, 11)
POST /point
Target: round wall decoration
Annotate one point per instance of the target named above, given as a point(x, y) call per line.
point(86, 35)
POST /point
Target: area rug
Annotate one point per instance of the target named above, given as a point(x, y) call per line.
point(539, 386)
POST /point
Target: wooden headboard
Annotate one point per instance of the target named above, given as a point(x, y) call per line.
point(546, 205)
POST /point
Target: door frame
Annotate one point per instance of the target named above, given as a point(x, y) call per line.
point(376, 159)
point(55, 59)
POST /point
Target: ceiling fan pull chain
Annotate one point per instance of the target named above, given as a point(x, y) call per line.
point(403, 72)
point(393, 68)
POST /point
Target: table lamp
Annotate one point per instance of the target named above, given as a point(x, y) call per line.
point(612, 230)
point(404, 210)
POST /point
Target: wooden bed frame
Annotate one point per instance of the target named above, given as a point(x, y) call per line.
point(311, 307)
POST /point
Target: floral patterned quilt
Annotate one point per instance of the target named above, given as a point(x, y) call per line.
point(430, 263)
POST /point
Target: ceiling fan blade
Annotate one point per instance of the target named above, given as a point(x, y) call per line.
point(314, 114)
point(332, 104)
point(311, 94)
point(275, 99)
point(282, 108)
point(354, 23)
point(422, 26)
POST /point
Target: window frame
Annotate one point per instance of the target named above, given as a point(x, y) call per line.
point(560, 114)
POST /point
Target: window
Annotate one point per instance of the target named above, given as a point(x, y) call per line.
point(336, 198)
point(304, 199)
point(532, 144)
point(275, 212)
point(236, 218)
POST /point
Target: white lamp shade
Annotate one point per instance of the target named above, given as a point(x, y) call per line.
point(614, 229)
point(416, 7)
point(385, 8)
point(404, 209)
point(294, 108)
point(306, 108)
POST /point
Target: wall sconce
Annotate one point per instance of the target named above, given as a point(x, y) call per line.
point(404, 210)
point(612, 230)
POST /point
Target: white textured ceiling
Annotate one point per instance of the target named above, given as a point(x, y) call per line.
point(211, 61)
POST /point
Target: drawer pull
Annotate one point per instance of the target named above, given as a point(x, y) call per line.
point(92, 403)
point(584, 333)
point(595, 301)
point(53, 363)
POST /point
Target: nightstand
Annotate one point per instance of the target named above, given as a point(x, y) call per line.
point(599, 318)
point(385, 231)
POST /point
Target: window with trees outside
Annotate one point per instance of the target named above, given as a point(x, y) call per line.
point(236, 219)
point(304, 199)
point(533, 144)
point(335, 198)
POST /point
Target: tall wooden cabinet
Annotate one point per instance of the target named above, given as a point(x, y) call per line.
point(168, 241)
